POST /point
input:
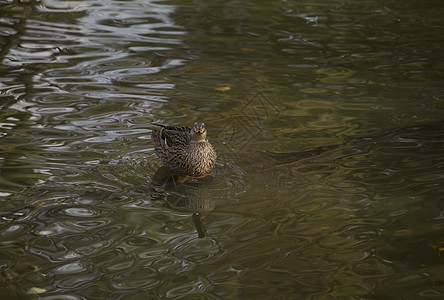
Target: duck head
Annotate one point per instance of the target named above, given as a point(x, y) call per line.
point(199, 132)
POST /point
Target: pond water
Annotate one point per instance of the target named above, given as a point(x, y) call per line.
point(327, 117)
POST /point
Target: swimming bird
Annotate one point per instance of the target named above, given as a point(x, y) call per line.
point(184, 150)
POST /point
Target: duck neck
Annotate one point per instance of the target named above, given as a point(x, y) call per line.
point(199, 138)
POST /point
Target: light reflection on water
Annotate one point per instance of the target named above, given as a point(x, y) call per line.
point(329, 138)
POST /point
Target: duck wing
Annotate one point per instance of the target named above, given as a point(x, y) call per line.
point(176, 128)
point(171, 136)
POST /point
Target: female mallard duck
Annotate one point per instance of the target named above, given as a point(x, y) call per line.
point(184, 150)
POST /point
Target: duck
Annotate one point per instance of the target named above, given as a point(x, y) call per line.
point(184, 150)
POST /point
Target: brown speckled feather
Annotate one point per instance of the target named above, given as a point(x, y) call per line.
point(181, 153)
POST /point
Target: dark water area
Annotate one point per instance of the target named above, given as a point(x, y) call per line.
point(328, 121)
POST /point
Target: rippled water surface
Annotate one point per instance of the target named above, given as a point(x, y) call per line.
point(328, 121)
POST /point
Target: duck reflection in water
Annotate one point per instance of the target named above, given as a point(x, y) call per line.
point(194, 197)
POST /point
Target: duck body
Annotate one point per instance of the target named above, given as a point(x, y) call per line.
point(184, 150)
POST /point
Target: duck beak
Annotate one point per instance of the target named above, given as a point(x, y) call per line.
point(200, 130)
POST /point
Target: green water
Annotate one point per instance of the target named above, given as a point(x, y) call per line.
point(327, 117)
